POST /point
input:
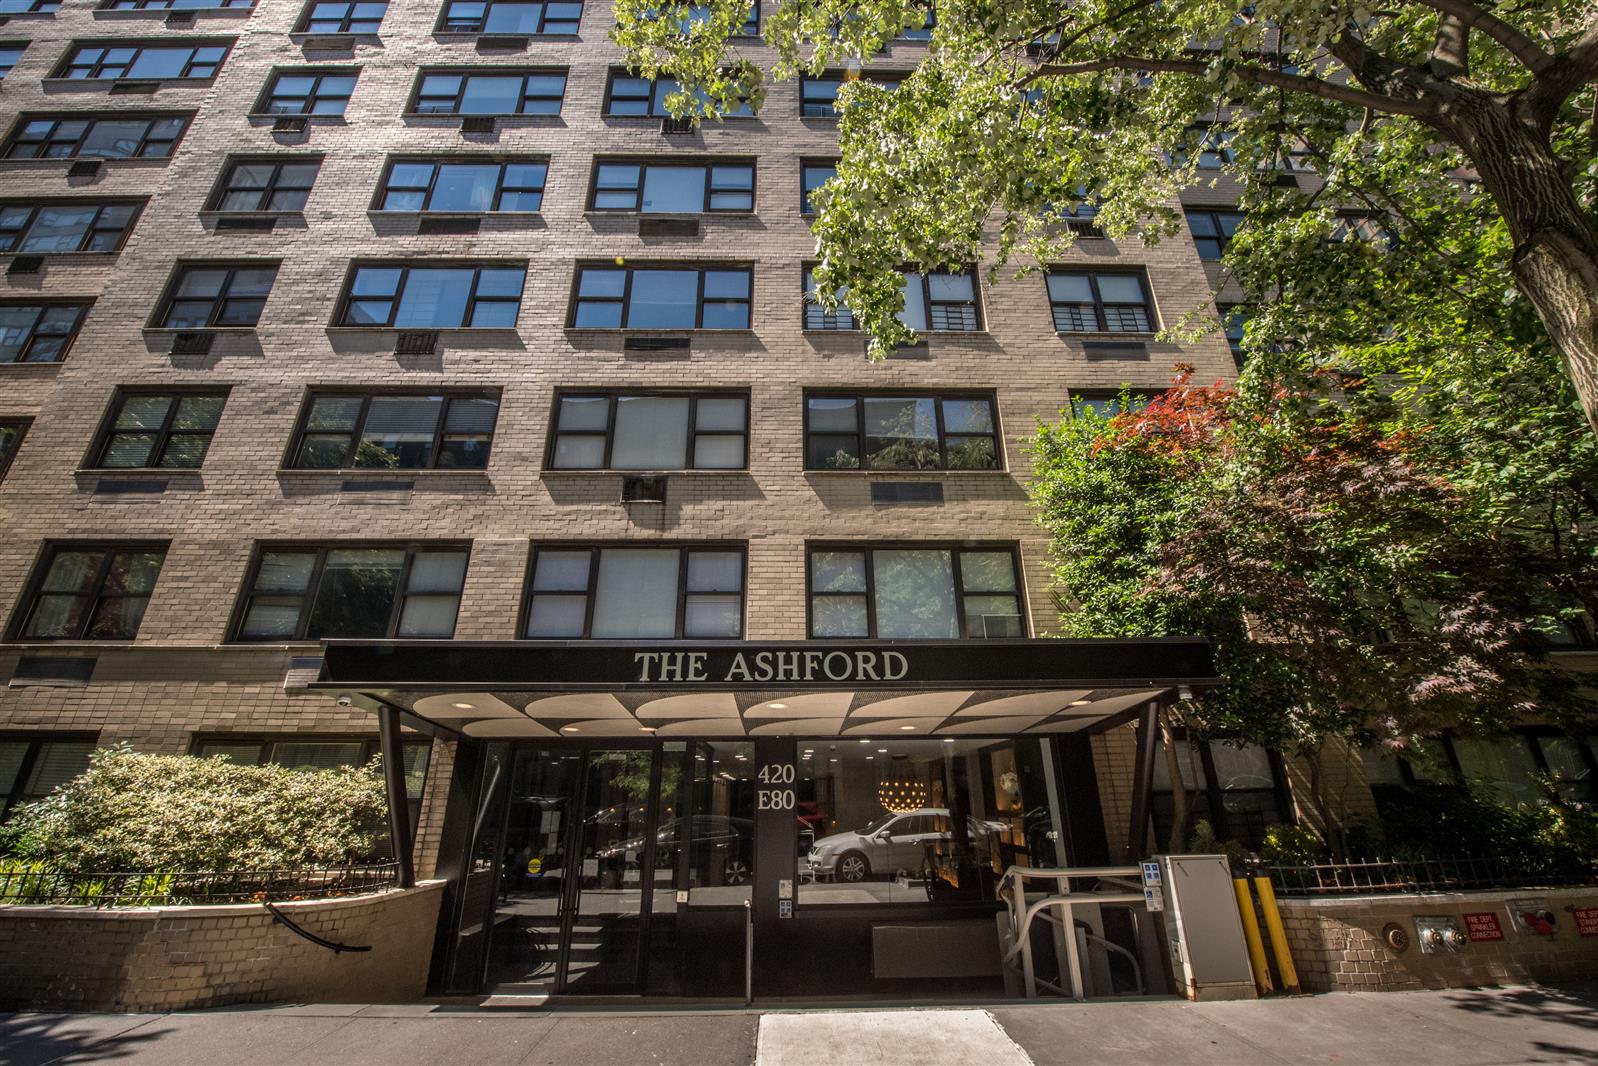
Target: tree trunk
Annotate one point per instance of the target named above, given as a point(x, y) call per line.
point(1176, 843)
point(1555, 261)
point(1331, 824)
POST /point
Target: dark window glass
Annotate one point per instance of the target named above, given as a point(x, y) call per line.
point(316, 752)
point(266, 185)
point(33, 767)
point(818, 96)
point(173, 5)
point(219, 294)
point(1108, 404)
point(1364, 229)
point(938, 302)
point(29, 7)
point(1212, 231)
point(107, 62)
point(1234, 323)
point(1213, 146)
point(66, 226)
point(633, 97)
point(9, 54)
point(673, 188)
point(662, 298)
point(1087, 301)
point(900, 433)
point(311, 92)
point(370, 592)
point(505, 92)
point(382, 432)
point(469, 186)
point(649, 593)
point(92, 593)
point(343, 16)
point(12, 430)
point(914, 593)
point(38, 333)
point(416, 297)
point(665, 431)
point(811, 177)
point(510, 17)
point(100, 137)
point(167, 430)
point(922, 32)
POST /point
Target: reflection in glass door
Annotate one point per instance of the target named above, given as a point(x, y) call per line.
point(530, 911)
point(614, 853)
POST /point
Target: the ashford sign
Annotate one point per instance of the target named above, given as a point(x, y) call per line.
point(768, 666)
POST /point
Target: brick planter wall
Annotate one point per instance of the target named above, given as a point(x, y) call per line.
point(174, 958)
point(1338, 947)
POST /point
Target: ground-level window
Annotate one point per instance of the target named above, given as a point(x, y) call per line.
point(629, 592)
point(1238, 790)
point(914, 592)
point(31, 767)
point(1503, 768)
point(302, 752)
point(367, 591)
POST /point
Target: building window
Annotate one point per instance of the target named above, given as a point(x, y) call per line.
point(417, 297)
point(319, 752)
point(9, 55)
point(1212, 145)
point(1504, 767)
point(98, 137)
point(1094, 301)
point(65, 226)
point(369, 591)
point(628, 96)
point(214, 295)
point(507, 92)
point(1237, 790)
point(174, 5)
point(383, 432)
point(343, 17)
point(674, 188)
point(38, 333)
point(662, 298)
point(1107, 404)
point(812, 176)
point(308, 92)
point(1234, 323)
point(698, 13)
point(137, 62)
point(938, 302)
point(922, 32)
point(914, 593)
point(12, 430)
point(1212, 231)
point(900, 433)
point(265, 185)
point(32, 767)
point(818, 96)
point(464, 186)
point(1352, 226)
point(92, 592)
point(511, 17)
point(639, 593)
point(29, 7)
point(165, 430)
point(659, 431)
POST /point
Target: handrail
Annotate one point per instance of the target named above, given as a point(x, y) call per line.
point(1024, 907)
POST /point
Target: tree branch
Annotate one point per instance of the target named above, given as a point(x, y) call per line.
point(1515, 42)
point(1451, 53)
point(1576, 67)
point(1345, 94)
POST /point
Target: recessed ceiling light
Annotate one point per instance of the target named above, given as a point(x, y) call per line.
point(646, 729)
point(464, 706)
point(569, 729)
point(948, 740)
point(832, 760)
point(870, 757)
point(1080, 703)
point(778, 706)
point(908, 728)
point(865, 742)
point(882, 751)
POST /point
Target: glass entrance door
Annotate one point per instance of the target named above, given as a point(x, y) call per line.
point(614, 858)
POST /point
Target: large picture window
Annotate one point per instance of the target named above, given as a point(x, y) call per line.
point(65, 226)
point(1236, 789)
point(108, 136)
point(10, 55)
point(918, 592)
point(463, 185)
point(166, 430)
point(360, 591)
point(492, 91)
point(29, 7)
point(32, 767)
point(421, 297)
point(654, 593)
point(937, 302)
point(212, 295)
point(1089, 301)
point(395, 432)
point(175, 5)
point(628, 96)
point(650, 431)
point(514, 17)
point(900, 433)
point(92, 592)
point(136, 62)
point(674, 187)
point(664, 297)
point(38, 333)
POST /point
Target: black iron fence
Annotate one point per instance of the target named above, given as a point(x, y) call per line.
point(38, 884)
point(1407, 875)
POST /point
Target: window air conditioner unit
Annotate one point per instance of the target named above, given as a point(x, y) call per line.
point(643, 489)
point(180, 20)
point(142, 87)
point(656, 344)
point(449, 225)
point(670, 126)
point(26, 264)
point(85, 168)
point(195, 343)
point(502, 42)
point(289, 124)
point(416, 342)
point(477, 124)
point(247, 223)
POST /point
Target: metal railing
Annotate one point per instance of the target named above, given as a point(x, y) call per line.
point(44, 885)
point(1375, 876)
point(1111, 885)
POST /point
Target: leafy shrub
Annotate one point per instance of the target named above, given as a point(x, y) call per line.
point(135, 811)
point(1292, 845)
point(1205, 842)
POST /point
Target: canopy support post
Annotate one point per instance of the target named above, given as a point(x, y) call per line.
point(399, 814)
point(1148, 739)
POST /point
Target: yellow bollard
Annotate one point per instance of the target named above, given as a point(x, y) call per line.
point(1273, 923)
point(1251, 934)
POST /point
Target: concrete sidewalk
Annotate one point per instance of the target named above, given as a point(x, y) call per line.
point(1459, 1028)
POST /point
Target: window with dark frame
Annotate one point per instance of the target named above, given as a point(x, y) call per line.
point(1212, 145)
point(522, 18)
point(65, 226)
point(818, 94)
point(914, 592)
point(138, 62)
point(1212, 230)
point(383, 431)
point(401, 296)
point(1107, 404)
point(319, 751)
point(643, 592)
point(39, 333)
point(938, 302)
point(91, 592)
point(12, 430)
point(34, 765)
point(10, 53)
point(1506, 766)
point(1362, 228)
point(158, 430)
point(1238, 790)
point(216, 295)
point(629, 96)
point(750, 27)
point(922, 32)
point(1234, 324)
point(365, 591)
point(661, 297)
point(95, 136)
point(674, 187)
point(308, 92)
point(265, 184)
point(650, 431)
point(813, 174)
point(466, 185)
point(175, 5)
point(343, 16)
point(1099, 301)
point(866, 431)
point(490, 91)
point(29, 7)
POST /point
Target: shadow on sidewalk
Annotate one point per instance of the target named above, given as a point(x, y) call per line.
point(1575, 1005)
point(33, 1039)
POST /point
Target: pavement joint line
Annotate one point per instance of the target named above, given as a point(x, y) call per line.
point(119, 1034)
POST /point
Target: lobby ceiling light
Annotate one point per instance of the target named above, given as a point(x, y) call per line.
point(899, 797)
point(908, 728)
point(569, 729)
point(778, 706)
point(1080, 703)
point(464, 706)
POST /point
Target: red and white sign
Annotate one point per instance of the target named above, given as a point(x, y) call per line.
point(1483, 927)
point(1586, 920)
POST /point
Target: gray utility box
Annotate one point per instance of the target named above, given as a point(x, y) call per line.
point(1208, 955)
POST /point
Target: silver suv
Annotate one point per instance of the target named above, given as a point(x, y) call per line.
point(890, 844)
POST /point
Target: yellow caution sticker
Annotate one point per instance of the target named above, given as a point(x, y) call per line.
point(535, 865)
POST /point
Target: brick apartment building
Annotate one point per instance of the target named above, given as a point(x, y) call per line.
point(359, 320)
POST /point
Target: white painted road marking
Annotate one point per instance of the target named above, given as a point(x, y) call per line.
point(888, 1038)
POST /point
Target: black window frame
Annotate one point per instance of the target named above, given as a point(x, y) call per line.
point(644, 163)
point(1234, 314)
point(805, 210)
point(171, 5)
point(93, 118)
point(35, 7)
point(321, 548)
point(609, 432)
point(6, 46)
point(442, 160)
point(1099, 306)
point(83, 306)
point(443, 25)
point(221, 190)
point(815, 319)
point(625, 298)
point(596, 547)
point(1213, 216)
point(1213, 140)
point(89, 231)
point(811, 110)
point(62, 69)
point(108, 549)
point(36, 740)
point(366, 396)
point(657, 100)
point(938, 398)
point(955, 549)
point(263, 105)
point(1211, 798)
point(346, 22)
point(103, 436)
point(413, 103)
point(9, 455)
point(180, 269)
point(1092, 398)
point(347, 293)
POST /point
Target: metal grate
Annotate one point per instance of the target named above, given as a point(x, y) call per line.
point(1126, 320)
point(676, 126)
point(134, 88)
point(162, 887)
point(655, 344)
point(891, 492)
point(192, 343)
point(668, 227)
point(85, 168)
point(449, 225)
point(49, 672)
point(1407, 875)
point(416, 342)
point(247, 222)
point(643, 489)
point(289, 124)
point(955, 317)
point(816, 317)
point(502, 42)
point(25, 264)
point(1075, 318)
point(477, 124)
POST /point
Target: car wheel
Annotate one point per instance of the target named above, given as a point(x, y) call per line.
point(852, 867)
point(736, 872)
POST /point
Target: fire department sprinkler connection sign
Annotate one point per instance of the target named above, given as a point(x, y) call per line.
point(1483, 927)
point(1586, 920)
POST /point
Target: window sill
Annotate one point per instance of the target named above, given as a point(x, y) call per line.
point(901, 475)
point(454, 117)
point(1104, 335)
point(695, 216)
point(381, 474)
point(105, 161)
point(166, 332)
point(66, 257)
point(163, 12)
point(924, 334)
point(139, 473)
point(614, 331)
point(471, 36)
point(464, 331)
point(212, 215)
point(739, 472)
point(12, 367)
point(304, 37)
point(380, 215)
point(261, 118)
point(105, 84)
